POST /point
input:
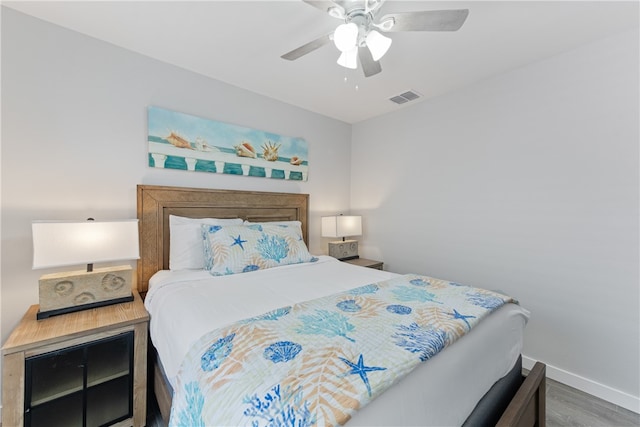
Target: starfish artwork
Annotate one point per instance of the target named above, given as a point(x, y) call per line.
point(462, 317)
point(361, 370)
point(238, 241)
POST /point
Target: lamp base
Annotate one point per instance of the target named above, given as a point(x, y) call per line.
point(61, 293)
point(344, 250)
point(46, 314)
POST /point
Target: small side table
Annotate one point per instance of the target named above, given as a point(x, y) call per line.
point(363, 262)
point(98, 356)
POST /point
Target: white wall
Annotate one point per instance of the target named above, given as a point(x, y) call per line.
point(74, 140)
point(528, 183)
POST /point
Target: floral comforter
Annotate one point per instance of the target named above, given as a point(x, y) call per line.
point(317, 362)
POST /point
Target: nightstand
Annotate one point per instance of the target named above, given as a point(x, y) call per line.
point(82, 368)
point(363, 262)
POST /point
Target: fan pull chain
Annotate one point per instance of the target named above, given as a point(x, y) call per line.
point(346, 80)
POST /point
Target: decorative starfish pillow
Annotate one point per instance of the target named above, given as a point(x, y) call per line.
point(245, 248)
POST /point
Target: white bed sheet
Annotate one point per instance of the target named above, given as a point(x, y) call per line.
point(184, 305)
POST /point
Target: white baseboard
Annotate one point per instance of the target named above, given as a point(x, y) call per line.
point(591, 387)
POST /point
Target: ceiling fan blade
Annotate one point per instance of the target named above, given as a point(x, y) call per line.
point(372, 6)
point(369, 66)
point(307, 48)
point(327, 6)
point(430, 20)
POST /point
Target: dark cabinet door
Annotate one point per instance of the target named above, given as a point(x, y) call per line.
point(85, 385)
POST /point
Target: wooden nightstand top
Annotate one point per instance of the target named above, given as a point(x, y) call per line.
point(31, 332)
point(363, 262)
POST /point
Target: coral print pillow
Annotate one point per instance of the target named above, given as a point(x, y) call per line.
point(244, 248)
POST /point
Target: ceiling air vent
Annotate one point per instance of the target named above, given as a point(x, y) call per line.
point(405, 97)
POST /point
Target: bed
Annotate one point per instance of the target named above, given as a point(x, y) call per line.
point(496, 395)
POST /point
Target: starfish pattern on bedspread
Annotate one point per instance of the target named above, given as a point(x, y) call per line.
point(360, 369)
point(462, 317)
point(306, 362)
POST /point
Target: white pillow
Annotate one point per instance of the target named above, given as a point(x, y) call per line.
point(186, 250)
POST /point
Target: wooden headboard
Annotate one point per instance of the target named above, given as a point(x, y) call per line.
point(156, 203)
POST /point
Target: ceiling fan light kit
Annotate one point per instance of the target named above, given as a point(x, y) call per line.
point(345, 37)
point(359, 30)
point(349, 58)
point(377, 44)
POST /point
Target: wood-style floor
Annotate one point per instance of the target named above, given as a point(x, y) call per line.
point(566, 406)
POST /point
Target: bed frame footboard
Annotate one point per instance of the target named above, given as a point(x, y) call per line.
point(527, 408)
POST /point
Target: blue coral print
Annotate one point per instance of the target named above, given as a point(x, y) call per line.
point(191, 414)
point(366, 289)
point(270, 315)
point(425, 341)
point(350, 306)
point(282, 351)
point(217, 353)
point(399, 309)
point(356, 354)
point(279, 409)
point(489, 302)
point(272, 247)
point(405, 293)
point(250, 267)
point(327, 323)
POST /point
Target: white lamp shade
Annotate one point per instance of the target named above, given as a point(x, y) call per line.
point(61, 243)
point(349, 59)
point(341, 226)
point(377, 44)
point(345, 37)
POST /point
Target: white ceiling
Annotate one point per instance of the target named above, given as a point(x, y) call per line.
point(240, 42)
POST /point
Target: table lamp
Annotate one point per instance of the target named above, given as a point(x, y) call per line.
point(342, 226)
point(64, 243)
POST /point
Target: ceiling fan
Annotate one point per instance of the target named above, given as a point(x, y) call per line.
point(359, 36)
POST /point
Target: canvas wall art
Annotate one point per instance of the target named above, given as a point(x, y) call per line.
point(182, 141)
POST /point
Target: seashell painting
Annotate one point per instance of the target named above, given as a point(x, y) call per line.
point(178, 141)
point(186, 142)
point(245, 149)
point(270, 151)
point(202, 145)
